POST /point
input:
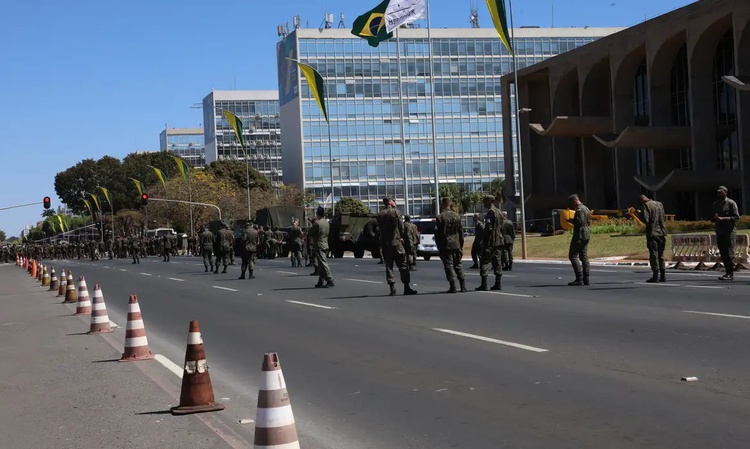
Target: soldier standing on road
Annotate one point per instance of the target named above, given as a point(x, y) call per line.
point(207, 241)
point(509, 234)
point(492, 246)
point(449, 238)
point(135, 248)
point(295, 244)
point(726, 215)
point(225, 242)
point(476, 247)
point(166, 247)
point(656, 237)
point(413, 234)
point(392, 240)
point(319, 238)
point(250, 248)
point(579, 245)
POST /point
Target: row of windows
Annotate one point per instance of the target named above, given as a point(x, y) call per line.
point(422, 128)
point(379, 171)
point(421, 88)
point(440, 47)
point(384, 110)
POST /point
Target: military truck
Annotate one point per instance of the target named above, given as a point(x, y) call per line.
point(355, 233)
point(281, 217)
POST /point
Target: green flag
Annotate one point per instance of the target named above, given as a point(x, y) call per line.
point(96, 201)
point(182, 166)
point(317, 86)
point(500, 20)
point(160, 175)
point(107, 196)
point(138, 185)
point(371, 25)
point(88, 206)
point(236, 124)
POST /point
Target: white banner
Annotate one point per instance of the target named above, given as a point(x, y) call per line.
point(402, 12)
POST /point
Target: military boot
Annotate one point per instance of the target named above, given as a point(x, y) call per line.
point(498, 286)
point(330, 284)
point(578, 282)
point(242, 276)
point(393, 289)
point(654, 278)
point(483, 286)
point(463, 286)
point(452, 288)
point(224, 271)
point(663, 277)
point(408, 291)
point(251, 275)
point(586, 279)
point(205, 267)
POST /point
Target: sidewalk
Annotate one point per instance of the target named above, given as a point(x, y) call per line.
point(63, 389)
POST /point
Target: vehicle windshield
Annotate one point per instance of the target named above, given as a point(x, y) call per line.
point(425, 227)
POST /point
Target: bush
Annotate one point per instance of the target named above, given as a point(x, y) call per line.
point(615, 226)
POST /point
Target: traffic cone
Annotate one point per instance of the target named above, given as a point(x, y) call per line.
point(40, 272)
point(84, 303)
point(33, 269)
point(71, 295)
point(17, 260)
point(63, 286)
point(197, 394)
point(45, 278)
point(274, 421)
point(136, 343)
point(53, 285)
point(99, 318)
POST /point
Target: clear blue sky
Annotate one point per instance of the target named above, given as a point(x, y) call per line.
point(84, 78)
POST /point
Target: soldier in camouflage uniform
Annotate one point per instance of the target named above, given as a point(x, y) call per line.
point(413, 235)
point(295, 244)
point(166, 245)
point(579, 244)
point(449, 238)
point(319, 237)
point(225, 243)
point(207, 245)
point(509, 234)
point(249, 250)
point(392, 239)
point(135, 248)
point(476, 247)
point(492, 245)
point(653, 217)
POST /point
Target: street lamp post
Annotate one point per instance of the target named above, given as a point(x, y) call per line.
point(524, 249)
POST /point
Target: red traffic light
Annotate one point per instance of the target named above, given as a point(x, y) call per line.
point(47, 202)
point(144, 199)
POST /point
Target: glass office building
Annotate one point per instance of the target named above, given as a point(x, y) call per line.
point(259, 112)
point(186, 143)
point(368, 160)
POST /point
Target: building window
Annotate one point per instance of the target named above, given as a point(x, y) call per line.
point(725, 102)
point(679, 90)
point(645, 156)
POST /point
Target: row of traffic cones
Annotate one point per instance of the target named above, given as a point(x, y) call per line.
point(275, 424)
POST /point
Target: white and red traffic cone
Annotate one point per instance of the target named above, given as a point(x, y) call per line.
point(99, 317)
point(84, 303)
point(274, 422)
point(136, 343)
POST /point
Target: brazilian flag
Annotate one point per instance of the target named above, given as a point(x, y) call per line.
point(371, 25)
point(160, 175)
point(236, 125)
point(107, 196)
point(317, 86)
point(182, 166)
point(138, 185)
point(500, 20)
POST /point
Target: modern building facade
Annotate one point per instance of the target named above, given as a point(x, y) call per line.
point(645, 110)
point(187, 143)
point(368, 160)
point(259, 112)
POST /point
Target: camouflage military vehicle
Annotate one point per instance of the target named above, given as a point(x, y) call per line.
point(355, 233)
point(281, 217)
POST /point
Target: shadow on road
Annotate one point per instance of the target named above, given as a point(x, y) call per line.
point(106, 361)
point(158, 412)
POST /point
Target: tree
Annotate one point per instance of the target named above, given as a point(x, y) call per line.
point(70, 183)
point(496, 188)
point(136, 165)
point(129, 221)
point(48, 213)
point(290, 195)
point(2, 236)
point(349, 205)
point(236, 172)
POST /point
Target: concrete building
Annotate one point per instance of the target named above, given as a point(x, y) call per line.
point(259, 112)
point(644, 110)
point(186, 143)
point(370, 159)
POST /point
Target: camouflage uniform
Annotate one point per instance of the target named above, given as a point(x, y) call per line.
point(249, 250)
point(492, 245)
point(207, 245)
point(392, 235)
point(449, 237)
point(579, 245)
point(412, 233)
point(319, 238)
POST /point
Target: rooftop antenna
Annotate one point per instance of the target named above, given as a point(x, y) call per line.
point(327, 22)
point(296, 22)
point(307, 23)
point(474, 17)
point(341, 21)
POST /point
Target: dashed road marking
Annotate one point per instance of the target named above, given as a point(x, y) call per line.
point(516, 295)
point(176, 279)
point(146, 274)
point(123, 269)
point(170, 365)
point(364, 281)
point(311, 305)
point(665, 284)
point(492, 340)
point(725, 315)
point(289, 272)
point(224, 288)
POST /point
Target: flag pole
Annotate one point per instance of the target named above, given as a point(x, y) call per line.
point(190, 198)
point(524, 249)
point(330, 157)
point(432, 111)
point(401, 120)
point(247, 173)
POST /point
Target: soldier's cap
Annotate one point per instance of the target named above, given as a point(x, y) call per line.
point(386, 200)
point(320, 211)
point(722, 189)
point(573, 197)
point(489, 198)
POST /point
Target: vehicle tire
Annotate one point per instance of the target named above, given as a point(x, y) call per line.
point(338, 254)
point(359, 253)
point(427, 257)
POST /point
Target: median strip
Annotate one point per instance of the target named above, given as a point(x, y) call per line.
point(492, 340)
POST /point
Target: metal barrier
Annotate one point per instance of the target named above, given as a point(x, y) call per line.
point(703, 248)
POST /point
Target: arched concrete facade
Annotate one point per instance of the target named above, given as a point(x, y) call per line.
point(568, 160)
point(742, 66)
point(598, 161)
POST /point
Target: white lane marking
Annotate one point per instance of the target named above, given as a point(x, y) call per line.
point(364, 281)
point(311, 305)
point(123, 269)
point(224, 288)
point(725, 315)
point(105, 266)
point(604, 271)
point(551, 268)
point(288, 272)
point(114, 325)
point(664, 284)
point(170, 365)
point(491, 340)
point(175, 279)
point(517, 295)
point(477, 274)
point(704, 286)
point(146, 274)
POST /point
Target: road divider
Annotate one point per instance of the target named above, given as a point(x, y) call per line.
point(492, 340)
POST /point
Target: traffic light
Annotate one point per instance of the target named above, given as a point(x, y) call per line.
point(46, 202)
point(144, 199)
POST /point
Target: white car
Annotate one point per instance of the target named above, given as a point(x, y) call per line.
point(426, 247)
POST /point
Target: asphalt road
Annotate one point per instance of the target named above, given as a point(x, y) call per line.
point(538, 365)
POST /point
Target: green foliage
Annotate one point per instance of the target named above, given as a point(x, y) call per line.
point(615, 226)
point(48, 213)
point(236, 172)
point(464, 201)
point(2, 236)
point(496, 188)
point(349, 205)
